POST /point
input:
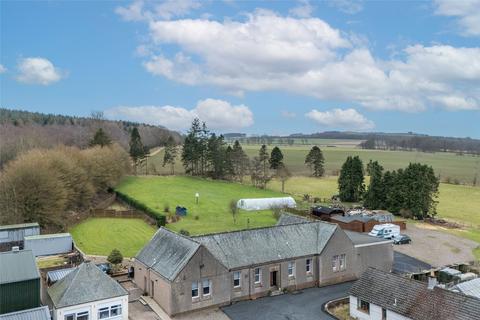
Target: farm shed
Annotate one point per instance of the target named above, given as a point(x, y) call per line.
point(13, 235)
point(361, 223)
point(19, 281)
point(266, 203)
point(49, 244)
point(40, 313)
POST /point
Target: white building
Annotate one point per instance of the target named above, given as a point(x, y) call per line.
point(87, 293)
point(379, 295)
point(266, 203)
point(49, 244)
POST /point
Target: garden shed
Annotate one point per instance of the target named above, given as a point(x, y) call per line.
point(266, 203)
point(49, 244)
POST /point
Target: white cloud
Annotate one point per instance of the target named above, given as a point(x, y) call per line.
point(140, 10)
point(306, 56)
point(348, 119)
point(38, 71)
point(347, 6)
point(218, 114)
point(2, 69)
point(467, 12)
point(303, 10)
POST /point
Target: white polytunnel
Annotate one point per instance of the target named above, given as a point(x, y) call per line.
point(266, 203)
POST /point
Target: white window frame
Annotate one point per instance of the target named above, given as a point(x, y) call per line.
point(343, 262)
point(257, 273)
point(104, 310)
point(237, 275)
point(209, 286)
point(308, 265)
point(335, 263)
point(291, 269)
point(195, 284)
point(77, 314)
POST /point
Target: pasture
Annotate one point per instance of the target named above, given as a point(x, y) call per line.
point(211, 214)
point(99, 236)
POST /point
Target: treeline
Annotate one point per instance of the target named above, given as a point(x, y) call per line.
point(409, 192)
point(23, 130)
point(43, 185)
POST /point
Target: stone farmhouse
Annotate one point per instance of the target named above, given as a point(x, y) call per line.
point(184, 273)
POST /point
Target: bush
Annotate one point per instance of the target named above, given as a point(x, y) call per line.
point(184, 232)
point(115, 258)
point(196, 217)
point(166, 208)
point(276, 212)
point(160, 218)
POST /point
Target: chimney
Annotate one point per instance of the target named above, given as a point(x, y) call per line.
point(432, 282)
point(15, 249)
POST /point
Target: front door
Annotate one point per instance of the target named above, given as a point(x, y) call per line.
point(273, 279)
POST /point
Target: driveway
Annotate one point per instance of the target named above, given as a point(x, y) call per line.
point(304, 305)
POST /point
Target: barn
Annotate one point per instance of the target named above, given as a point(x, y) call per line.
point(49, 244)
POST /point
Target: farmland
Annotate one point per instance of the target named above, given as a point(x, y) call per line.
point(211, 214)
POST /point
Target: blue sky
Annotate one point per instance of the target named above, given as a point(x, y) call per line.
point(275, 67)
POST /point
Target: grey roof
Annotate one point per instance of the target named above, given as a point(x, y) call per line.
point(18, 266)
point(20, 226)
point(85, 284)
point(361, 238)
point(413, 299)
point(288, 218)
point(59, 274)
point(167, 253)
point(256, 246)
point(470, 288)
point(40, 313)
point(348, 219)
point(48, 236)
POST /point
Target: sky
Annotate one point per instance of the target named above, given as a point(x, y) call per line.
point(274, 67)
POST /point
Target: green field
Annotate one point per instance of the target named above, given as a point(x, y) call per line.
point(211, 214)
point(99, 236)
point(446, 165)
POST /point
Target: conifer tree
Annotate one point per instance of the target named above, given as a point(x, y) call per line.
point(100, 139)
point(315, 161)
point(276, 158)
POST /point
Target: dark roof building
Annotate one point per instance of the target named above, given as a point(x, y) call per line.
point(40, 313)
point(409, 298)
point(288, 218)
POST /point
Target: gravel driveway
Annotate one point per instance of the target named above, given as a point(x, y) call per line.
point(436, 247)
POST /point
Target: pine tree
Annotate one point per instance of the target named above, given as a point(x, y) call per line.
point(240, 161)
point(264, 158)
point(100, 139)
point(170, 154)
point(276, 158)
point(350, 181)
point(375, 195)
point(137, 150)
point(315, 161)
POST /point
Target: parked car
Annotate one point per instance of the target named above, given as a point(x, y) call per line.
point(402, 239)
point(385, 231)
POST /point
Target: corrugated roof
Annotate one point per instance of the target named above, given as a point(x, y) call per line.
point(40, 313)
point(360, 238)
point(256, 246)
point(412, 299)
point(348, 219)
point(85, 284)
point(20, 226)
point(288, 218)
point(48, 236)
point(470, 288)
point(18, 266)
point(59, 274)
point(167, 253)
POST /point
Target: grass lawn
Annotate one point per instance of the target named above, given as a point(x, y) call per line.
point(213, 209)
point(48, 262)
point(99, 236)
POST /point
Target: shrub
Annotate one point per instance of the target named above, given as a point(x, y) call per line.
point(277, 212)
point(159, 217)
point(166, 208)
point(115, 257)
point(184, 232)
point(196, 217)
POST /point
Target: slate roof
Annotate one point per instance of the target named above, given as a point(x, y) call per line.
point(413, 299)
point(470, 288)
point(40, 313)
point(87, 283)
point(256, 246)
point(18, 266)
point(20, 226)
point(288, 218)
point(361, 238)
point(167, 253)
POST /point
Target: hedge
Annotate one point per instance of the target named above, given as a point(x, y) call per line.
point(160, 218)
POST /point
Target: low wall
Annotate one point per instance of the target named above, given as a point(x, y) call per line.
point(335, 303)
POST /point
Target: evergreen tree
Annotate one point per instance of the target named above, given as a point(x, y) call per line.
point(276, 158)
point(263, 157)
point(315, 161)
point(192, 152)
point(375, 195)
point(350, 181)
point(216, 156)
point(229, 163)
point(137, 150)
point(240, 161)
point(100, 139)
point(170, 154)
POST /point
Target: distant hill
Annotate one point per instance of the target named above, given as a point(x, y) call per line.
point(23, 130)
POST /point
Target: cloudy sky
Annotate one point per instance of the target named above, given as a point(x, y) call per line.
point(275, 67)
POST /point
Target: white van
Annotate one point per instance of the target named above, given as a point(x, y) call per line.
point(386, 231)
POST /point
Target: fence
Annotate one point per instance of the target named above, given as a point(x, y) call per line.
point(110, 213)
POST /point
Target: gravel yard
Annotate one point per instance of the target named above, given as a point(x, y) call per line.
point(435, 246)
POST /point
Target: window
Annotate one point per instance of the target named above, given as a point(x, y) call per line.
point(363, 306)
point(308, 265)
point(236, 279)
point(82, 315)
point(206, 284)
point(194, 289)
point(258, 275)
point(115, 310)
point(291, 268)
point(109, 312)
point(104, 313)
point(343, 260)
point(335, 263)
point(69, 317)
point(384, 314)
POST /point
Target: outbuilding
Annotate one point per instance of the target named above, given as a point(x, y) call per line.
point(19, 281)
point(266, 203)
point(49, 244)
point(13, 234)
